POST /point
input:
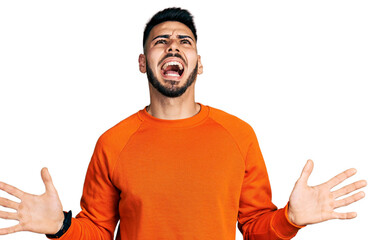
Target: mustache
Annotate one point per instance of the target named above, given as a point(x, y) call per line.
point(177, 55)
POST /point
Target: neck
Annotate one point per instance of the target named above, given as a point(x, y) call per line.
point(172, 108)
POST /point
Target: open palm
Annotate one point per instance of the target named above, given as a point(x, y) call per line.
point(35, 213)
point(309, 205)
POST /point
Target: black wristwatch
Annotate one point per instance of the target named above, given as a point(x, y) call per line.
point(64, 228)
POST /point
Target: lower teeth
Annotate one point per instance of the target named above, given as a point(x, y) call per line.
point(173, 75)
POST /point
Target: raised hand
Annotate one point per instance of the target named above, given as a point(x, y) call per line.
point(308, 205)
point(35, 213)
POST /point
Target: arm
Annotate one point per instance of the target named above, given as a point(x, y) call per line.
point(44, 213)
point(258, 217)
point(99, 203)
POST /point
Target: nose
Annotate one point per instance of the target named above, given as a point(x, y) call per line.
point(173, 46)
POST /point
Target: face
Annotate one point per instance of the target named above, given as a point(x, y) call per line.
point(170, 58)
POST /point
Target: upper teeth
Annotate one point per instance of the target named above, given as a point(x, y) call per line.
point(172, 63)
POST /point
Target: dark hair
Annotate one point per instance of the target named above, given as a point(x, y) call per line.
point(170, 14)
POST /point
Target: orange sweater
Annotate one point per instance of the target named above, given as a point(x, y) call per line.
point(180, 179)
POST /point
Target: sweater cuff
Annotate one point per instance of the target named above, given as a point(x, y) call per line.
point(282, 225)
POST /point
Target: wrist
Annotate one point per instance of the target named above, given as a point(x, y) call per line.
point(65, 224)
point(290, 214)
point(59, 223)
point(291, 217)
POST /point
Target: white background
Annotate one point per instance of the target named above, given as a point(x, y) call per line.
point(302, 73)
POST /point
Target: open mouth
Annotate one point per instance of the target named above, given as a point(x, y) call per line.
point(172, 70)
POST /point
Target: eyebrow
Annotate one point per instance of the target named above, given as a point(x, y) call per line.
point(168, 36)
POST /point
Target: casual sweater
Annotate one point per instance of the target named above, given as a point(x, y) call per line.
point(183, 179)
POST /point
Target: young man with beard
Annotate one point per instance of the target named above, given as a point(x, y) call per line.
point(178, 169)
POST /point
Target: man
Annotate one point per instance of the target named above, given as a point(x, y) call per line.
point(178, 169)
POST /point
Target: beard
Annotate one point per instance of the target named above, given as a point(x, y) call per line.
point(171, 90)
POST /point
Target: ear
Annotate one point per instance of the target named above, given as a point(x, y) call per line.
point(200, 66)
point(142, 63)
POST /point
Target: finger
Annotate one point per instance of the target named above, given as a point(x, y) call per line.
point(348, 200)
point(8, 215)
point(348, 215)
point(306, 171)
point(12, 229)
point(349, 188)
point(47, 180)
point(11, 190)
point(341, 177)
point(8, 203)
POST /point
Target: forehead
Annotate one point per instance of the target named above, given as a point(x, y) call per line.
point(170, 28)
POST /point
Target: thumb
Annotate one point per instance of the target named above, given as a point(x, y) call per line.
point(47, 180)
point(306, 171)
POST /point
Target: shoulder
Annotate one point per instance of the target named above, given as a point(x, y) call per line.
point(117, 136)
point(241, 131)
point(110, 144)
point(230, 121)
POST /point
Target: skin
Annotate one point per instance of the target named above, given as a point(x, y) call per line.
point(35, 213)
point(307, 204)
point(315, 204)
point(155, 49)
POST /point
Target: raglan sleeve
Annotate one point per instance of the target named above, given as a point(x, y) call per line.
point(258, 218)
point(99, 203)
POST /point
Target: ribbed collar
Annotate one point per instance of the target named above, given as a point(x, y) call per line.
point(176, 123)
